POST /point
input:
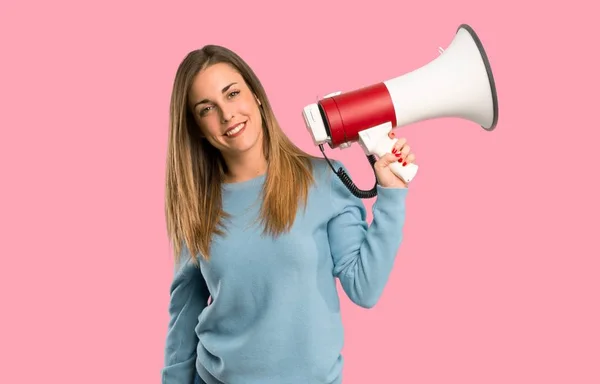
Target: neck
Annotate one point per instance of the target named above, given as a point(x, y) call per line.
point(245, 166)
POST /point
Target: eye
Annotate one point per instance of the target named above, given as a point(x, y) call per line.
point(204, 111)
point(234, 93)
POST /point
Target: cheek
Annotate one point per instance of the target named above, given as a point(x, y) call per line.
point(254, 112)
point(209, 126)
point(258, 120)
point(249, 107)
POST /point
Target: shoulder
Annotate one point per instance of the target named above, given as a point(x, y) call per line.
point(324, 171)
point(186, 266)
point(327, 180)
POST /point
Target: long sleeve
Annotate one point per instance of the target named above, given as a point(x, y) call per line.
point(364, 255)
point(188, 297)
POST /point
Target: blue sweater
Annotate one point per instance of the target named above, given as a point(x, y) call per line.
point(274, 315)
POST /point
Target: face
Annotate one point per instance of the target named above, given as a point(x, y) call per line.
point(226, 110)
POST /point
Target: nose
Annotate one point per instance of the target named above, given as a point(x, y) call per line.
point(226, 115)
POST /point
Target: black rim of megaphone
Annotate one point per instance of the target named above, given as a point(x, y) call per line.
point(488, 69)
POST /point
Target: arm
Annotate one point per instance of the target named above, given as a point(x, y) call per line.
point(189, 296)
point(364, 255)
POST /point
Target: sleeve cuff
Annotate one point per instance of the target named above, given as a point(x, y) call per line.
point(391, 200)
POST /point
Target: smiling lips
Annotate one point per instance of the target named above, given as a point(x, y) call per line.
point(235, 130)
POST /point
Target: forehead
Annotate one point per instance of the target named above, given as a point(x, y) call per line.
point(211, 80)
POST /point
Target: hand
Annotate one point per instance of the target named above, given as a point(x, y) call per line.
point(400, 152)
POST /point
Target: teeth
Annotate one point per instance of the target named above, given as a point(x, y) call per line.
point(235, 130)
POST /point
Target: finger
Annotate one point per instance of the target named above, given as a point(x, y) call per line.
point(385, 160)
point(405, 151)
point(398, 145)
point(409, 159)
point(402, 152)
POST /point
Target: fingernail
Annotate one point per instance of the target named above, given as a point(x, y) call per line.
point(394, 151)
point(400, 159)
point(404, 164)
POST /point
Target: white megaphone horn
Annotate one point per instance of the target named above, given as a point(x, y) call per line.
point(458, 83)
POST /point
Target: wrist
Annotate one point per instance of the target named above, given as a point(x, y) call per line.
point(398, 184)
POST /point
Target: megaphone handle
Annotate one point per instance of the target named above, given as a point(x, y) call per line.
point(377, 142)
point(405, 172)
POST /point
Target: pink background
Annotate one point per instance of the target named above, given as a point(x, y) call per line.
point(496, 281)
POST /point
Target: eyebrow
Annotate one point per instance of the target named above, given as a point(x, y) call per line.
point(208, 101)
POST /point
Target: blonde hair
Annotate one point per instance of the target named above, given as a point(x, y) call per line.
point(195, 169)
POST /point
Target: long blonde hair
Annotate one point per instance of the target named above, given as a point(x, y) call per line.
point(195, 169)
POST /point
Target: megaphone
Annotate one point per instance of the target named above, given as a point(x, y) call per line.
point(457, 83)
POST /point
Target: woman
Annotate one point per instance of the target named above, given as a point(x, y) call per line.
point(262, 229)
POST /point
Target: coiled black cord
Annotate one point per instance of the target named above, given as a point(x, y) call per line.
point(347, 180)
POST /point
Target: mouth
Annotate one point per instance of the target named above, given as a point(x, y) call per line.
point(236, 130)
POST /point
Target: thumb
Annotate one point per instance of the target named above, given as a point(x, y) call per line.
point(386, 160)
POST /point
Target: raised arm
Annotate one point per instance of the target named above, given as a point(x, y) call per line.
point(364, 255)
